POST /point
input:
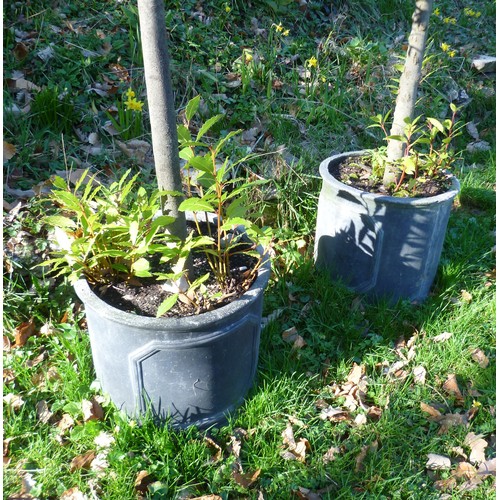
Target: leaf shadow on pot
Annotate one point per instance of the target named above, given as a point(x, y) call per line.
point(383, 246)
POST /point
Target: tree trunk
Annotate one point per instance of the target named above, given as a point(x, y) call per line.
point(408, 85)
point(161, 108)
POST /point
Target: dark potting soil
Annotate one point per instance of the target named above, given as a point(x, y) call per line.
point(143, 296)
point(357, 172)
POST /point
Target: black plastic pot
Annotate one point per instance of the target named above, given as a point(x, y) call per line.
point(193, 370)
point(383, 246)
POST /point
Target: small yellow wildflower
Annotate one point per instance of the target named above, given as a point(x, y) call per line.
point(445, 47)
point(248, 56)
point(471, 12)
point(437, 12)
point(130, 93)
point(449, 20)
point(132, 423)
point(312, 62)
point(227, 8)
point(286, 32)
point(452, 53)
point(278, 27)
point(134, 104)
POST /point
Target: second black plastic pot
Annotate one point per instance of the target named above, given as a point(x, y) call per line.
point(380, 245)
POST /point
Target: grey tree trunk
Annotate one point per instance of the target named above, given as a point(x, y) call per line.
point(161, 107)
point(408, 84)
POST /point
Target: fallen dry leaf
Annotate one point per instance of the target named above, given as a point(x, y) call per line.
point(488, 468)
point(73, 494)
point(477, 445)
point(31, 363)
point(451, 420)
point(437, 462)
point(24, 331)
point(433, 412)
point(374, 413)
point(372, 447)
point(43, 414)
point(82, 461)
point(142, 481)
point(356, 373)
point(120, 72)
point(92, 410)
point(296, 449)
point(331, 454)
point(216, 450)
point(306, 494)
point(9, 151)
point(451, 387)
point(6, 344)
point(443, 337)
point(465, 469)
point(360, 419)
point(445, 484)
point(13, 401)
point(419, 374)
point(65, 423)
point(466, 296)
point(246, 480)
point(291, 335)
point(479, 357)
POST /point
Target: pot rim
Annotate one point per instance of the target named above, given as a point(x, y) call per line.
point(376, 197)
point(184, 323)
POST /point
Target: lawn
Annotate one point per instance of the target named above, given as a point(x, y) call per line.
point(353, 399)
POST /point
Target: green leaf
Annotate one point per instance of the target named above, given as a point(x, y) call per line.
point(436, 123)
point(195, 205)
point(202, 163)
point(223, 141)
point(399, 138)
point(183, 134)
point(140, 265)
point(133, 231)
point(167, 304)
point(68, 200)
point(208, 125)
point(60, 221)
point(192, 107)
point(197, 282)
point(235, 209)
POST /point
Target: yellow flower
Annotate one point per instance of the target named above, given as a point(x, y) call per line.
point(134, 104)
point(445, 47)
point(248, 55)
point(278, 27)
point(450, 20)
point(452, 53)
point(130, 93)
point(228, 9)
point(437, 12)
point(312, 62)
point(286, 32)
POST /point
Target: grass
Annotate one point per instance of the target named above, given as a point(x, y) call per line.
point(313, 112)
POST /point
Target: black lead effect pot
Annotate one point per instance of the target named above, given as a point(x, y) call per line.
point(192, 370)
point(383, 246)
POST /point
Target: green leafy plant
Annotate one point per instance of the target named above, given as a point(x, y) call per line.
point(106, 233)
point(427, 150)
point(211, 189)
point(128, 119)
point(53, 108)
point(115, 233)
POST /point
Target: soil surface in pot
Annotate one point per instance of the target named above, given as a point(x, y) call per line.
point(357, 172)
point(143, 296)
